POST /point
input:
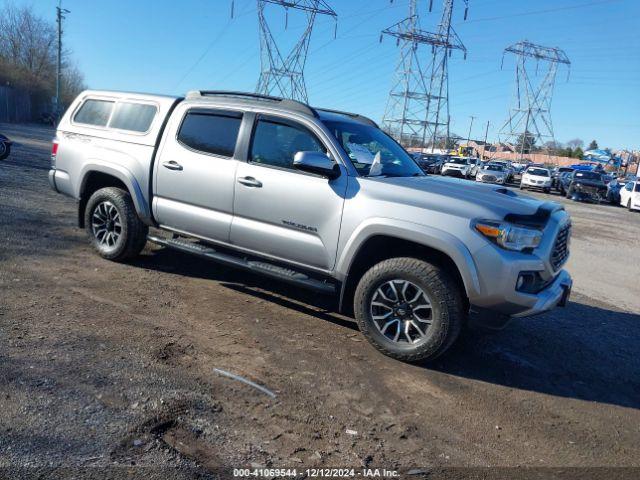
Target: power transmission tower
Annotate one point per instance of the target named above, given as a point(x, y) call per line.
point(60, 16)
point(418, 105)
point(530, 120)
point(284, 75)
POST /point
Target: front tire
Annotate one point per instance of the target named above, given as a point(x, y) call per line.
point(5, 150)
point(113, 226)
point(409, 309)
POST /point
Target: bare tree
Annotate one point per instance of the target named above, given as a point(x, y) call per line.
point(28, 55)
point(575, 143)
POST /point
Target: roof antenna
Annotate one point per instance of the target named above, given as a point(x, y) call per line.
point(430, 5)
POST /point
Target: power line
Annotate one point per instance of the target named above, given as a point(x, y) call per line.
point(540, 12)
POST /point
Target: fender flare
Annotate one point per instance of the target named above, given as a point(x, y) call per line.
point(421, 234)
point(125, 176)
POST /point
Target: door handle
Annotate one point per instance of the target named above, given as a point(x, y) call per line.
point(172, 165)
point(250, 182)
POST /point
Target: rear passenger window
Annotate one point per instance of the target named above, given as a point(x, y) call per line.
point(211, 132)
point(94, 112)
point(135, 117)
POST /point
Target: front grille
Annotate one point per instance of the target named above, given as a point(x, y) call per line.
point(488, 178)
point(561, 248)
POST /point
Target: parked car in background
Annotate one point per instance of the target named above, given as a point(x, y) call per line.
point(5, 147)
point(429, 162)
point(564, 180)
point(507, 167)
point(457, 167)
point(492, 173)
point(555, 175)
point(613, 190)
point(630, 195)
point(587, 186)
point(536, 177)
point(519, 167)
point(475, 163)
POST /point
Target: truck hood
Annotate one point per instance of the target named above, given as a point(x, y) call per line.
point(456, 197)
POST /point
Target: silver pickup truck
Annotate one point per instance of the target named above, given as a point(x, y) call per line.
point(322, 199)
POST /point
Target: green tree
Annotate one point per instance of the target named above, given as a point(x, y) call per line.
point(593, 145)
point(526, 142)
point(578, 153)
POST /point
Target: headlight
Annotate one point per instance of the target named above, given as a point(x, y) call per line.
point(509, 236)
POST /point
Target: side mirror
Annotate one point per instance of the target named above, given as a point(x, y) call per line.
point(317, 163)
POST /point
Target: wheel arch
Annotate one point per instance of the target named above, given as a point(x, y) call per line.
point(97, 176)
point(427, 244)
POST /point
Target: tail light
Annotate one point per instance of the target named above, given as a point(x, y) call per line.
point(54, 152)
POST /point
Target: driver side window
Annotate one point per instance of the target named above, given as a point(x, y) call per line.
point(275, 143)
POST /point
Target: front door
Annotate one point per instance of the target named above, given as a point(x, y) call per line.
point(195, 173)
point(280, 211)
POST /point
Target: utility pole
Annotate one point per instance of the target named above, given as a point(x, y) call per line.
point(60, 16)
point(418, 104)
point(470, 127)
point(484, 145)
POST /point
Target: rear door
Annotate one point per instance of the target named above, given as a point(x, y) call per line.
point(280, 211)
point(195, 172)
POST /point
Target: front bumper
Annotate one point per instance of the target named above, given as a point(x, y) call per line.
point(556, 294)
point(454, 173)
point(499, 270)
point(498, 180)
point(541, 186)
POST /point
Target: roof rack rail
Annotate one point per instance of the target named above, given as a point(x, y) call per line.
point(356, 116)
point(285, 102)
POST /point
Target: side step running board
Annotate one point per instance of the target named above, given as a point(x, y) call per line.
point(261, 267)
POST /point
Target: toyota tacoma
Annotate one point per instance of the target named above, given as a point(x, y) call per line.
point(324, 200)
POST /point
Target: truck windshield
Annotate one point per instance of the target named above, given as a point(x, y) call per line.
point(372, 152)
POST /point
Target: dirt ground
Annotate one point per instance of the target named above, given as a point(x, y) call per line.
point(108, 369)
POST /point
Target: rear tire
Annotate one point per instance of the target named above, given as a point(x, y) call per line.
point(629, 205)
point(113, 226)
point(416, 327)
